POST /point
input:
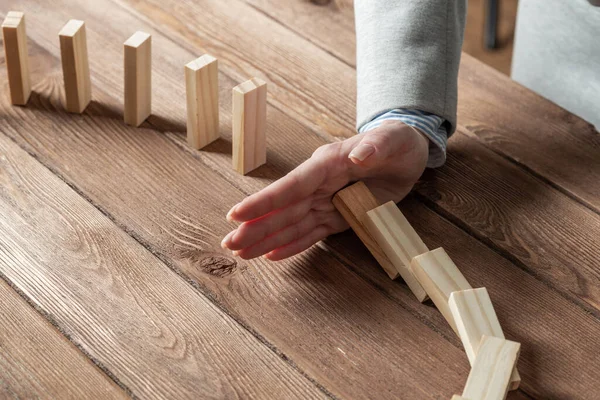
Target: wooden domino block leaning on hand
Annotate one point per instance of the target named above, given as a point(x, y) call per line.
point(76, 71)
point(353, 202)
point(398, 240)
point(475, 317)
point(202, 93)
point(490, 374)
point(138, 78)
point(439, 276)
point(249, 125)
point(17, 59)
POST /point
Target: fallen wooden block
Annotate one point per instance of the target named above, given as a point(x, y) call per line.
point(490, 374)
point(439, 276)
point(398, 240)
point(353, 202)
point(76, 71)
point(202, 93)
point(17, 57)
point(475, 317)
point(249, 125)
point(138, 79)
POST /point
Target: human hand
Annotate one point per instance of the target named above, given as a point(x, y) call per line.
point(295, 212)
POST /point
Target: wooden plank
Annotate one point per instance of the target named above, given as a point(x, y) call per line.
point(514, 133)
point(138, 78)
point(552, 363)
point(490, 375)
point(492, 108)
point(439, 276)
point(296, 85)
point(346, 354)
point(353, 203)
point(567, 138)
point(37, 361)
point(398, 239)
point(16, 57)
point(128, 310)
point(76, 71)
point(564, 370)
point(202, 94)
point(249, 125)
point(475, 318)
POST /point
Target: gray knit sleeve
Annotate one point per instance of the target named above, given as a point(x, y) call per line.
point(408, 53)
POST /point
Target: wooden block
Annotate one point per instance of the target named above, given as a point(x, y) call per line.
point(202, 92)
point(76, 71)
point(17, 57)
point(138, 78)
point(439, 276)
point(353, 202)
point(475, 317)
point(490, 375)
point(249, 125)
point(398, 240)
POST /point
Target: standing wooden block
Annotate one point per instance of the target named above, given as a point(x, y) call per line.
point(475, 317)
point(17, 58)
point(138, 78)
point(490, 374)
point(202, 92)
point(353, 203)
point(398, 240)
point(439, 276)
point(76, 71)
point(249, 125)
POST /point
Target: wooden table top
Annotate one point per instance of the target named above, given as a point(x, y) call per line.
point(113, 280)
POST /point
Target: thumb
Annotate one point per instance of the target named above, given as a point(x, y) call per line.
point(377, 145)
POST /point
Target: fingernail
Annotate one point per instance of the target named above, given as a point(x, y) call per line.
point(226, 239)
point(235, 253)
point(230, 213)
point(362, 152)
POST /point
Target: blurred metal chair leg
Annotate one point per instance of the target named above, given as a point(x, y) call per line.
point(491, 24)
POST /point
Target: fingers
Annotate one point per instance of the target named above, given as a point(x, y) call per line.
point(298, 246)
point(283, 237)
point(295, 186)
point(251, 232)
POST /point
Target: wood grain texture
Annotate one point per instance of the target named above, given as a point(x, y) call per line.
point(138, 78)
point(202, 96)
point(564, 372)
point(399, 241)
point(475, 318)
point(37, 361)
point(517, 238)
point(439, 276)
point(249, 123)
point(486, 97)
point(16, 57)
point(76, 71)
point(119, 303)
point(490, 375)
point(155, 165)
point(353, 203)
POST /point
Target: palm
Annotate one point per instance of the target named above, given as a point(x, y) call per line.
point(295, 212)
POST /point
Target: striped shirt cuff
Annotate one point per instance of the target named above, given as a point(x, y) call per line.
point(430, 124)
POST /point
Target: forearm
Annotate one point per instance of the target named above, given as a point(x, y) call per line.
point(408, 54)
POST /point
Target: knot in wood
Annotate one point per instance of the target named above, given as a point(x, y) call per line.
point(320, 2)
point(219, 266)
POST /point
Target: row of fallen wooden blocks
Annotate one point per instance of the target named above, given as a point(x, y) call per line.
point(201, 80)
point(432, 274)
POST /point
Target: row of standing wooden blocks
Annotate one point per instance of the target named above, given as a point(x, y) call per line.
point(202, 89)
point(432, 274)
